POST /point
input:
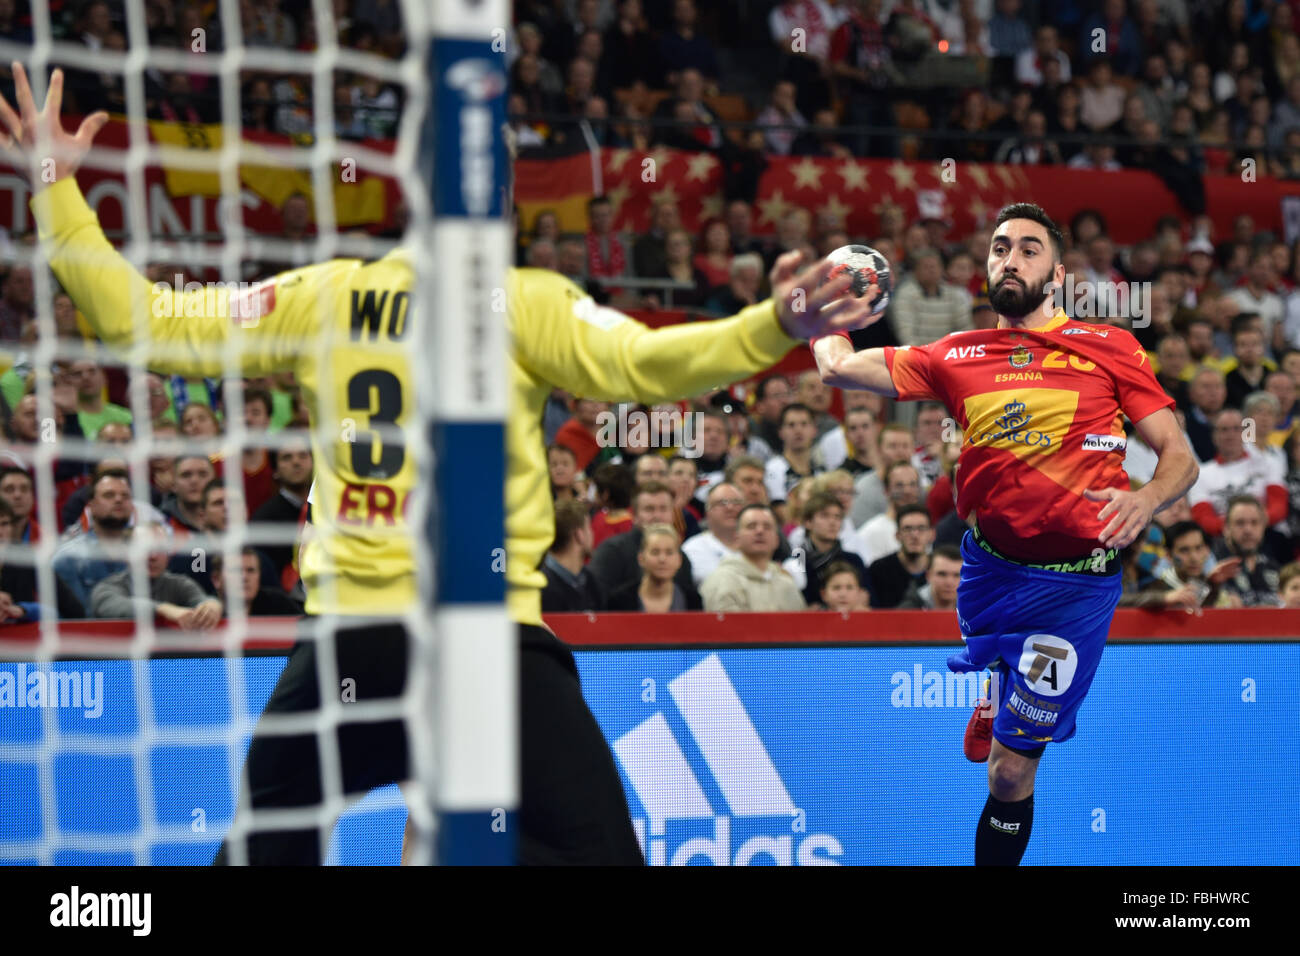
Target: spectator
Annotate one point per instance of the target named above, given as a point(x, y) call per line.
point(93, 411)
point(841, 589)
point(1256, 296)
point(861, 62)
point(562, 39)
point(822, 519)
point(1174, 368)
point(1288, 582)
point(1008, 33)
point(1122, 44)
point(682, 48)
point(904, 570)
point(895, 444)
point(745, 277)
point(688, 107)
point(795, 462)
point(771, 396)
point(1257, 578)
point(1265, 438)
point(1246, 371)
point(18, 491)
point(820, 139)
point(292, 466)
point(708, 548)
point(815, 394)
point(683, 479)
point(659, 557)
point(973, 121)
point(563, 466)
point(752, 581)
point(1208, 394)
point(879, 536)
point(943, 574)
point(692, 285)
point(614, 563)
point(1047, 46)
point(925, 307)
point(805, 62)
point(1236, 470)
point(1282, 386)
point(17, 303)
point(87, 558)
point(1286, 114)
point(579, 433)
point(571, 259)
point(615, 486)
point(650, 251)
point(542, 254)
point(852, 447)
point(714, 257)
point(19, 601)
point(740, 223)
point(605, 255)
point(172, 597)
point(527, 82)
point(569, 584)
point(255, 463)
point(630, 49)
point(245, 575)
point(1187, 583)
point(199, 421)
point(781, 119)
point(184, 507)
point(715, 450)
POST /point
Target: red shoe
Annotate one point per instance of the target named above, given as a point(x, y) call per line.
point(978, 740)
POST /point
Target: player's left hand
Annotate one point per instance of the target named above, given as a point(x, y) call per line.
point(1129, 513)
point(35, 141)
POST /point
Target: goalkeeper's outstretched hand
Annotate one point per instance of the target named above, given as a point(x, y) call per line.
point(35, 141)
point(808, 306)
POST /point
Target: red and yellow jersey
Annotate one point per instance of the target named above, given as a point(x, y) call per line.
point(1042, 415)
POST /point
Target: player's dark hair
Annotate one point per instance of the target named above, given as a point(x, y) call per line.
point(796, 407)
point(1180, 528)
point(907, 510)
point(570, 516)
point(1035, 213)
point(615, 484)
point(949, 551)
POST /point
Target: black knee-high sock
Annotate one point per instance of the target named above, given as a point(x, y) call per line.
point(1003, 831)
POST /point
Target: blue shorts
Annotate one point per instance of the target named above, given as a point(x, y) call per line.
point(1041, 632)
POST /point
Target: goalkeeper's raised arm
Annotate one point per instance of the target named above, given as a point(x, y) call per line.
point(184, 332)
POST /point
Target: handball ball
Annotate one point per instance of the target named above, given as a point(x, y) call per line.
point(867, 266)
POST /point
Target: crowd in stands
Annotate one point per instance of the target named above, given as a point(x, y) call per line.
point(790, 500)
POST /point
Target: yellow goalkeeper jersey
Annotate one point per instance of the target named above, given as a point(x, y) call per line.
point(342, 327)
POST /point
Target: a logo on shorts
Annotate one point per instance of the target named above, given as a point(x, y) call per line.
point(1020, 357)
point(1048, 663)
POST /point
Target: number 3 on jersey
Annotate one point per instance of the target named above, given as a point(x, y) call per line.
point(377, 394)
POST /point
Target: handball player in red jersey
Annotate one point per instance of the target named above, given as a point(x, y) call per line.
point(1041, 401)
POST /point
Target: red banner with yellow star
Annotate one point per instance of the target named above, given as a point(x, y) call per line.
point(968, 195)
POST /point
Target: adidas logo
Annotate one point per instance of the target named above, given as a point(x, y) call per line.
point(665, 782)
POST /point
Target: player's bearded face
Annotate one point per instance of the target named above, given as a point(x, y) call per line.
point(1016, 294)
